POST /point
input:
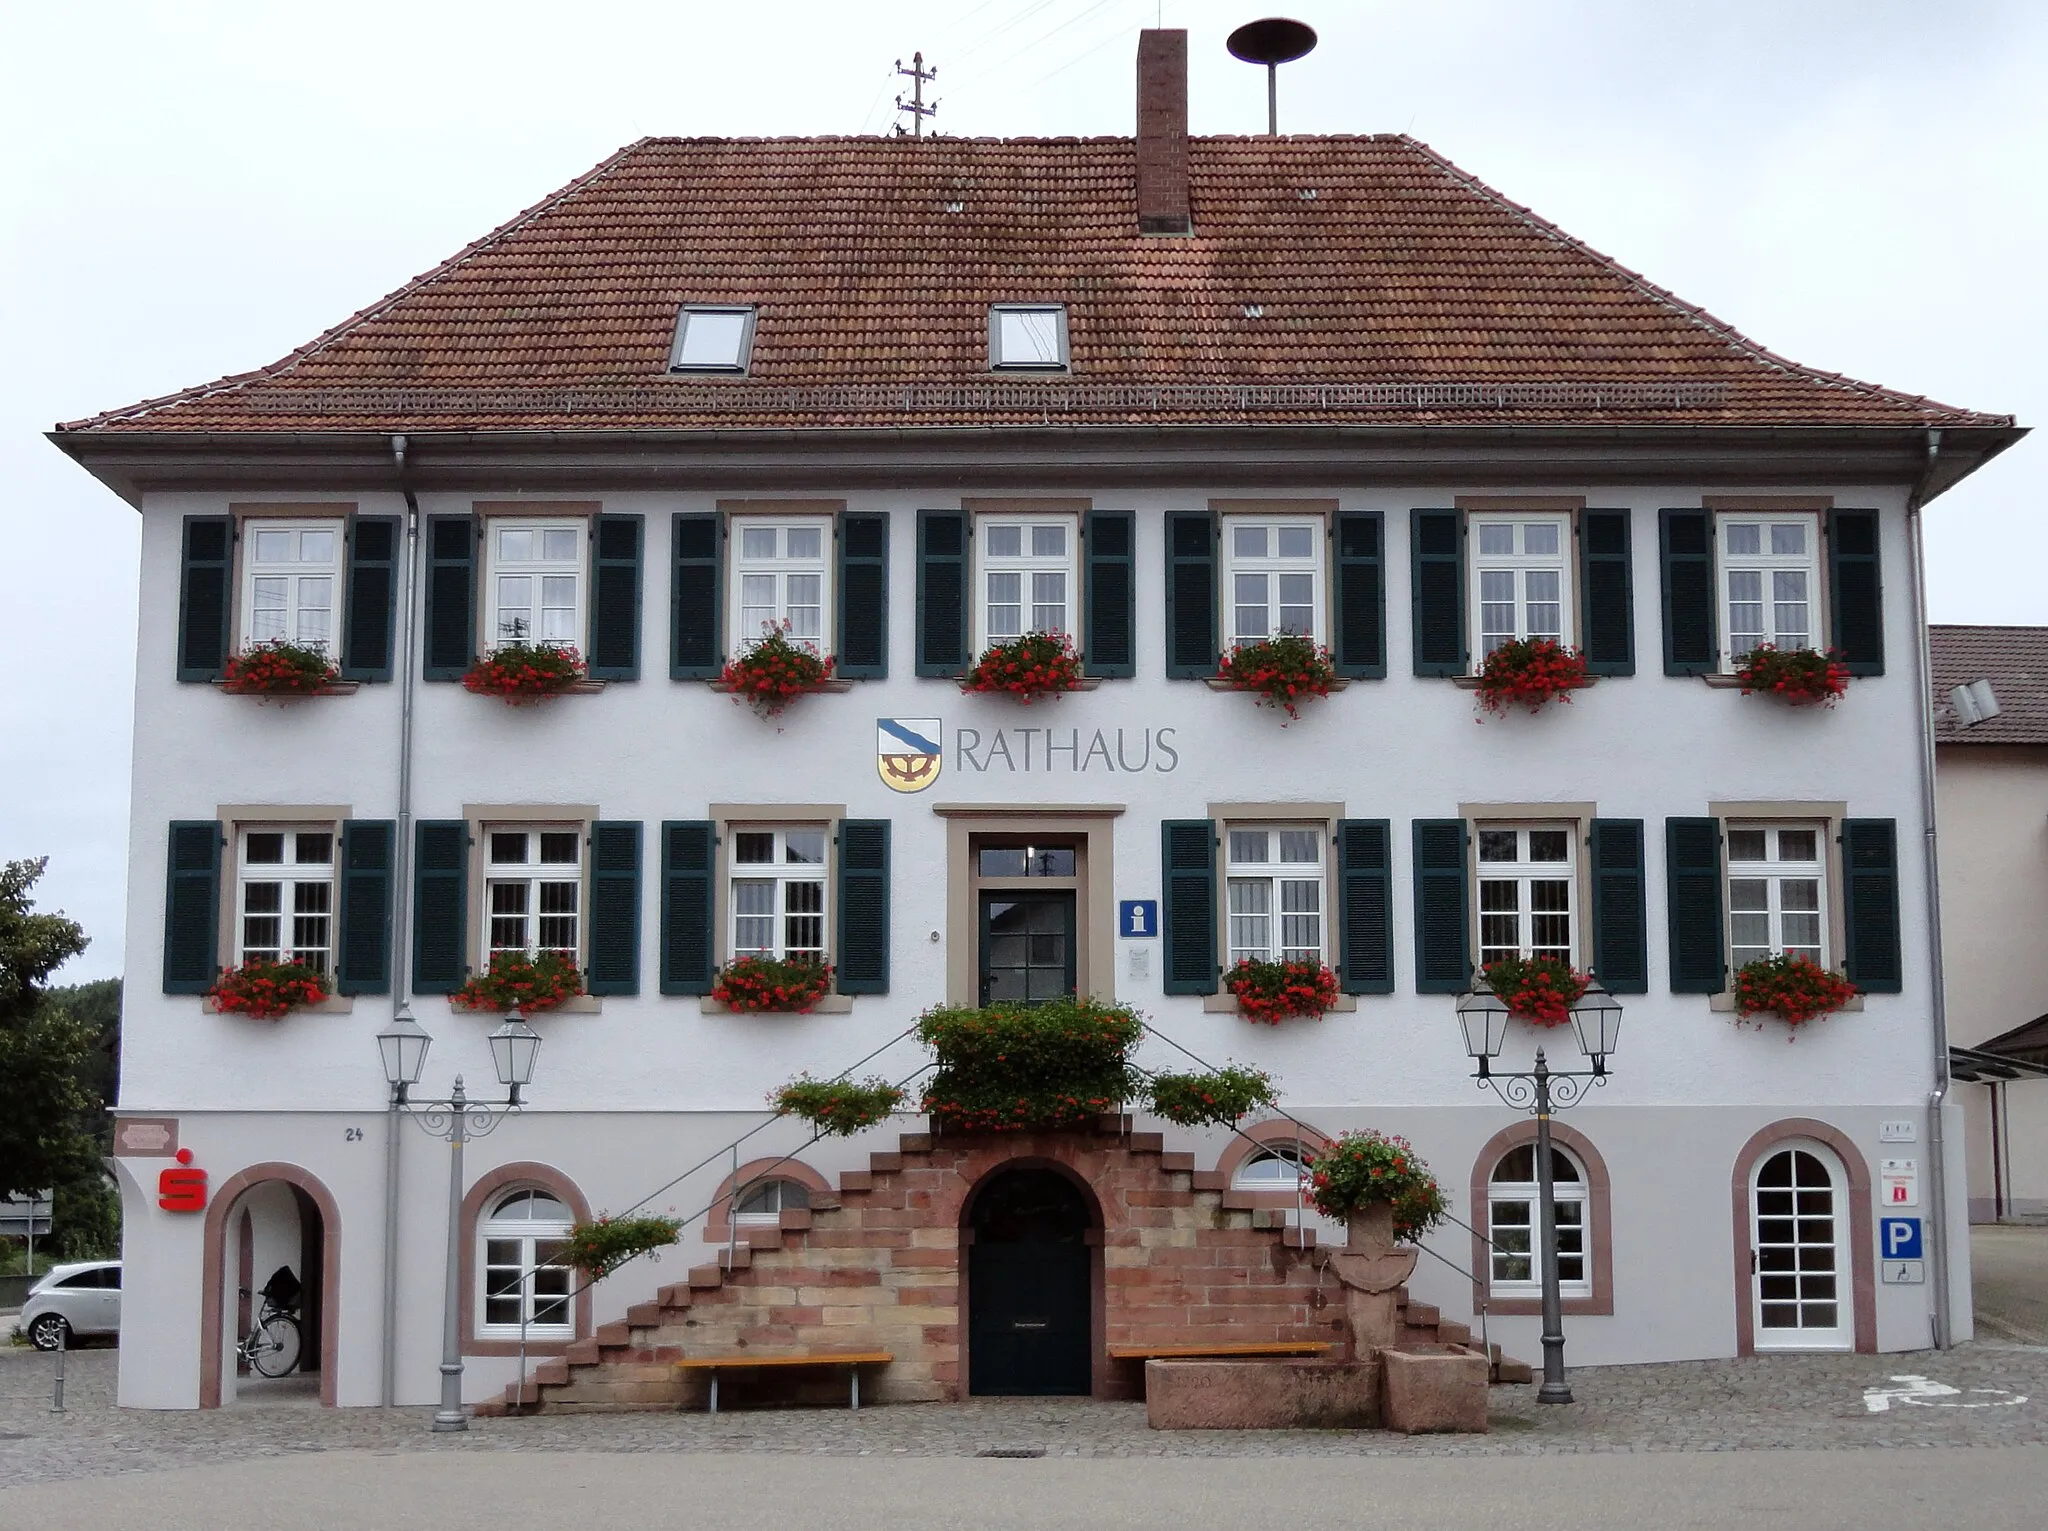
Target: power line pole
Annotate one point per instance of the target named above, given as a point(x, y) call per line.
point(915, 105)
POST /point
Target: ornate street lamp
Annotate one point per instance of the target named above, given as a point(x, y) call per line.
point(403, 1048)
point(1596, 1022)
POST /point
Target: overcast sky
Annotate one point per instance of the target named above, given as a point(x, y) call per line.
point(190, 188)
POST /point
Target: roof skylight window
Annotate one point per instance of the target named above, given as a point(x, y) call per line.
point(1027, 337)
point(712, 338)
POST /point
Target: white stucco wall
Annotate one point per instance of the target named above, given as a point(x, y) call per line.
point(627, 1097)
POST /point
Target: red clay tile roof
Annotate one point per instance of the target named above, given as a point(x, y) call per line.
point(1394, 289)
point(2014, 660)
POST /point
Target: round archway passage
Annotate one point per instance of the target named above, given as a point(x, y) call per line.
point(213, 1258)
point(1030, 1285)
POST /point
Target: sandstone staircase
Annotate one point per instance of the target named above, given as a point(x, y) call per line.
point(1186, 1260)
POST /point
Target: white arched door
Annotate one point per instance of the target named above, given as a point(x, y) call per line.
point(1801, 1294)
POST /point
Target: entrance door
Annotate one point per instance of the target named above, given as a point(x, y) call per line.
point(1027, 946)
point(1799, 1252)
point(1027, 1287)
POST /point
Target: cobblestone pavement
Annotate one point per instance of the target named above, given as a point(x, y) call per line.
point(1776, 1402)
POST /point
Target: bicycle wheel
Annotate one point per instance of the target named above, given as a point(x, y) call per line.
point(276, 1349)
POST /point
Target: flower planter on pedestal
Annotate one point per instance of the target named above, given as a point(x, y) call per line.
point(1372, 1268)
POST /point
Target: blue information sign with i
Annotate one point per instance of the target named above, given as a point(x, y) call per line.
point(1137, 919)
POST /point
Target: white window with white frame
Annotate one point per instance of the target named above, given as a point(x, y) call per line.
point(291, 580)
point(1273, 573)
point(1515, 1224)
point(1527, 891)
point(1521, 578)
point(778, 892)
point(518, 1284)
point(1275, 881)
point(780, 580)
point(1028, 337)
point(535, 582)
point(284, 896)
point(1777, 892)
point(763, 1203)
point(1029, 575)
point(1770, 573)
point(533, 889)
point(1276, 1167)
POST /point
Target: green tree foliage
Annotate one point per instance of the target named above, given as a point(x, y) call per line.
point(54, 1074)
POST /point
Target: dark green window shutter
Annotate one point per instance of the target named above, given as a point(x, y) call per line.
point(450, 646)
point(1106, 541)
point(1436, 544)
point(863, 597)
point(615, 597)
point(1685, 546)
point(942, 593)
point(696, 650)
point(372, 599)
point(1361, 624)
point(192, 907)
point(1366, 916)
point(614, 907)
point(1607, 602)
point(440, 906)
point(1189, 916)
point(363, 952)
point(1856, 590)
point(1443, 945)
point(1870, 875)
point(205, 600)
point(1621, 931)
point(1692, 870)
point(863, 906)
point(688, 950)
point(1191, 600)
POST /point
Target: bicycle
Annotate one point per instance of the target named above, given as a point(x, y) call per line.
point(272, 1346)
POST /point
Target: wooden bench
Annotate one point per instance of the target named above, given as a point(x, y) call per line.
point(1217, 1352)
point(852, 1360)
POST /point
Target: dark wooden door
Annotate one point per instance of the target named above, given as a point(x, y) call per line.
point(1027, 946)
point(1028, 1287)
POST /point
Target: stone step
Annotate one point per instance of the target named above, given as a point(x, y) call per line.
point(739, 1256)
point(1451, 1332)
point(1422, 1315)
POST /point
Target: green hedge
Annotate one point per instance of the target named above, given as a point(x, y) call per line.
point(1013, 1068)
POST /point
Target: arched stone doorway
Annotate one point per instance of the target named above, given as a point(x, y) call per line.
point(267, 1216)
point(1033, 1237)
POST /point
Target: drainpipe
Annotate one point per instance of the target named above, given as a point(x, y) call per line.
point(401, 894)
point(1923, 677)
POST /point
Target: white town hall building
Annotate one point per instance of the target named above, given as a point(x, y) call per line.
point(1165, 394)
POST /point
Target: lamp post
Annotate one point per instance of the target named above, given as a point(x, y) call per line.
point(1596, 1022)
point(403, 1048)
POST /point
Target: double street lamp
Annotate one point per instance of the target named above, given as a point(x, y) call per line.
point(1596, 1021)
point(403, 1048)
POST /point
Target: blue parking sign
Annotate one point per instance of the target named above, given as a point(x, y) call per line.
point(1137, 919)
point(1899, 1238)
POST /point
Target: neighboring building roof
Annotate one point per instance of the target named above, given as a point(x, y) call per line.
point(1392, 289)
point(2026, 1043)
point(2014, 660)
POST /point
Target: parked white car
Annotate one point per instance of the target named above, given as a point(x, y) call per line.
point(73, 1300)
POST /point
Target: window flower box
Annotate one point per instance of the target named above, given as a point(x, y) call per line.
point(756, 985)
point(775, 671)
point(1540, 990)
point(281, 671)
point(267, 991)
point(1795, 989)
point(1270, 992)
point(1796, 677)
point(1281, 672)
point(1035, 665)
point(514, 980)
point(523, 674)
point(1529, 673)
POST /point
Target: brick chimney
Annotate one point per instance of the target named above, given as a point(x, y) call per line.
point(1163, 132)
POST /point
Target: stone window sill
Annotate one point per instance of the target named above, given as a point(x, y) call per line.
point(340, 1004)
point(1217, 683)
point(1721, 682)
point(1724, 1004)
point(1085, 683)
point(285, 699)
point(1226, 1004)
point(829, 1004)
point(832, 687)
point(1471, 683)
point(581, 1004)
